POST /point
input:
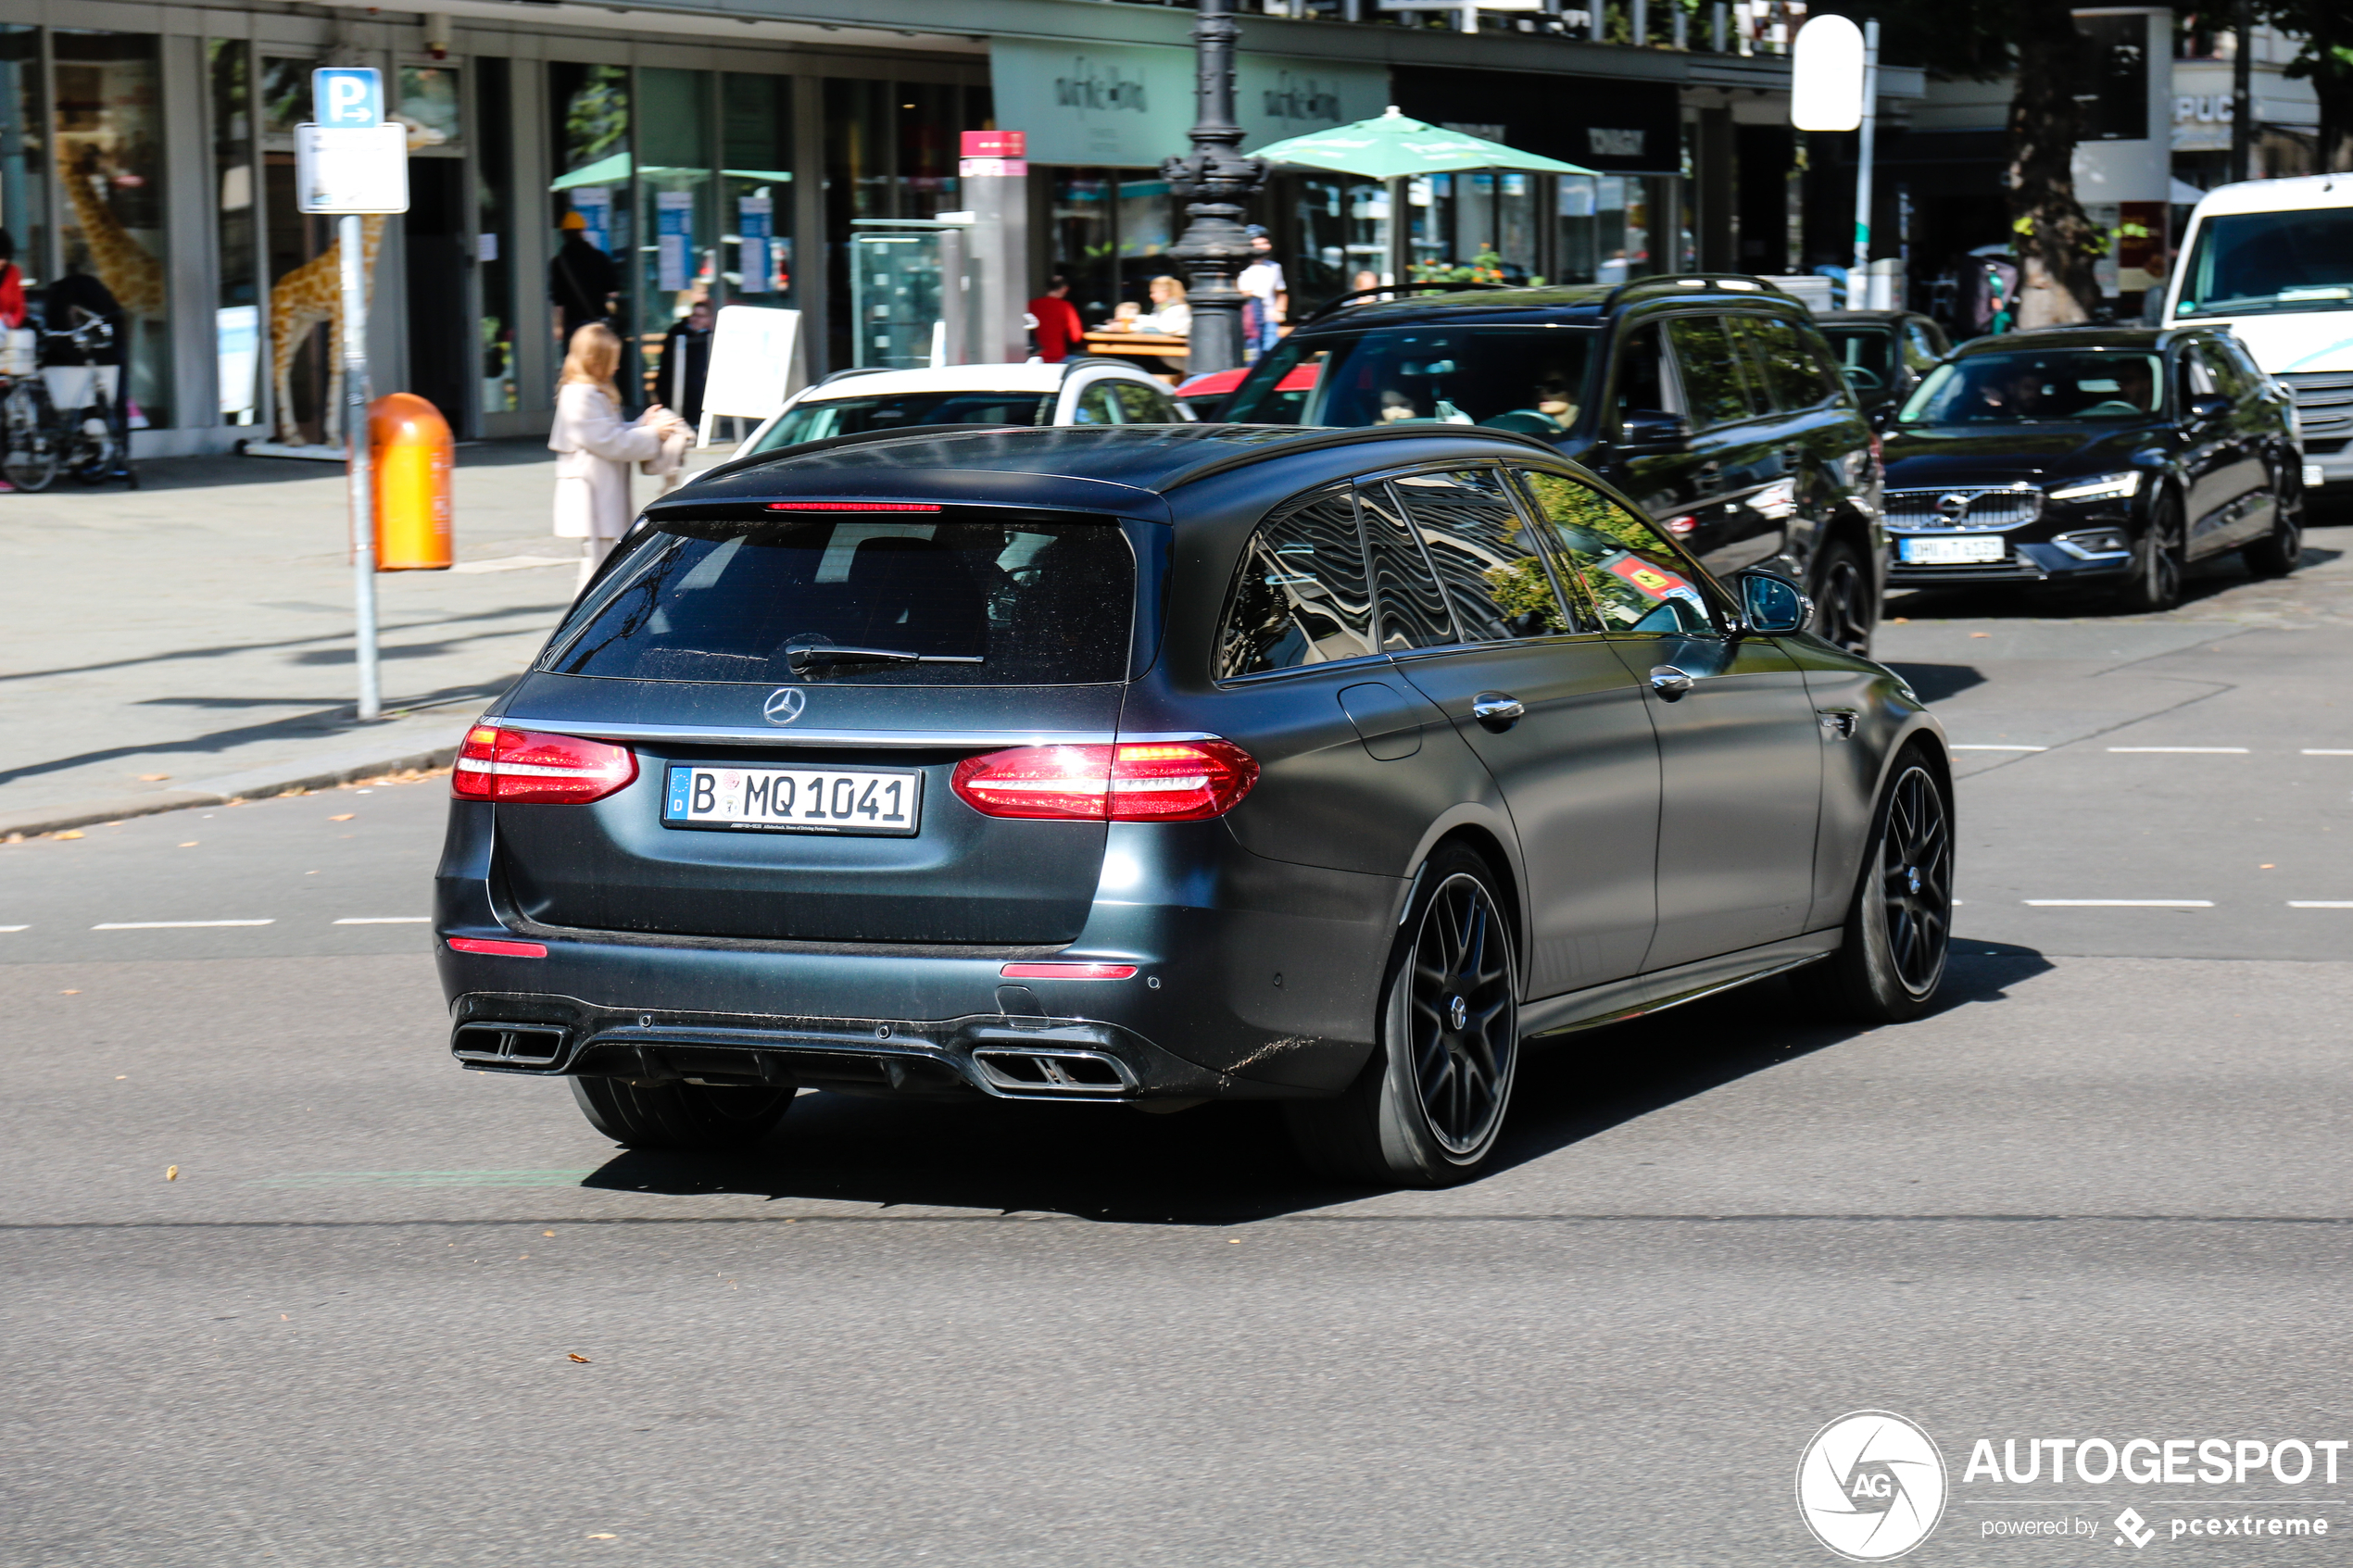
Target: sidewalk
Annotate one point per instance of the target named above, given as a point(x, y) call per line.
point(191, 641)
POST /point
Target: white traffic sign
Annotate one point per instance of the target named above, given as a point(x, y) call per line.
point(357, 169)
point(1826, 75)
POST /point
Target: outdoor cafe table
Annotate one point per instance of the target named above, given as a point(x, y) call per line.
point(1144, 349)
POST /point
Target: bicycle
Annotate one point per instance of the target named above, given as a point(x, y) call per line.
point(28, 419)
point(91, 443)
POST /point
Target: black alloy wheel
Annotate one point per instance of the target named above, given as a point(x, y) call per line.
point(2153, 583)
point(27, 424)
point(1428, 1108)
point(2281, 551)
point(687, 1117)
point(1843, 613)
point(1899, 932)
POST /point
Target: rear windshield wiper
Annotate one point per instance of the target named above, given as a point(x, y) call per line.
point(799, 660)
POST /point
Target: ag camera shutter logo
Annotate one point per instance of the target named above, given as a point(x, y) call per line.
point(1871, 1486)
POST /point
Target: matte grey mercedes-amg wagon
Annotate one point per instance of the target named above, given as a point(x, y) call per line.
point(1157, 765)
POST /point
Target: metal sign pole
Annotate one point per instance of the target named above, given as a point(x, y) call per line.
point(355, 433)
point(1858, 279)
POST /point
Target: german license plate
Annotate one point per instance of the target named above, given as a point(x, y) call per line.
point(1956, 551)
point(878, 802)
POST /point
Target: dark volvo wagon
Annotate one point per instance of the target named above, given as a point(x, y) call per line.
point(1160, 765)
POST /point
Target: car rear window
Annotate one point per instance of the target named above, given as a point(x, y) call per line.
point(857, 415)
point(951, 601)
point(1529, 378)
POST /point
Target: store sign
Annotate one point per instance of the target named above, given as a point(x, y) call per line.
point(594, 203)
point(674, 230)
point(755, 225)
point(1611, 125)
point(1131, 105)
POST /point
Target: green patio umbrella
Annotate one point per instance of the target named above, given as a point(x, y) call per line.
point(1394, 148)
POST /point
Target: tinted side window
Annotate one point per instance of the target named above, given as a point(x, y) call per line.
point(2198, 376)
point(1096, 406)
point(1142, 405)
point(2234, 382)
point(1491, 567)
point(1921, 349)
point(1633, 576)
point(1299, 596)
point(1791, 374)
point(1643, 385)
point(1711, 375)
point(1411, 604)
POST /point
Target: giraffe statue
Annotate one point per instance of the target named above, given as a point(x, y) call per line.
point(132, 273)
point(312, 293)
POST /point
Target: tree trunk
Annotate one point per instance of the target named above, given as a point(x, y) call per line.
point(2054, 238)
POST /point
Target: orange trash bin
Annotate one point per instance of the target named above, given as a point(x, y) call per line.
point(410, 453)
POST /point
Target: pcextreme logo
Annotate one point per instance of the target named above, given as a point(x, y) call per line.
point(1871, 1486)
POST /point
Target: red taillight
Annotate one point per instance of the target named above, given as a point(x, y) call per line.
point(529, 767)
point(1134, 782)
point(496, 949)
point(851, 507)
point(1067, 971)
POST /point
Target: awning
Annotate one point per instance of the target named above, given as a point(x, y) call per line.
point(1394, 146)
point(614, 170)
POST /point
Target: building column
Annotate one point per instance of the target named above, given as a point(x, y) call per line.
point(193, 258)
point(809, 249)
point(1716, 232)
point(532, 226)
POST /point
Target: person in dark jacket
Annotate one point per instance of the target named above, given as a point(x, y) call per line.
point(582, 279)
point(685, 362)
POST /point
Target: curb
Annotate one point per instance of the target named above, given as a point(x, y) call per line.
point(53, 819)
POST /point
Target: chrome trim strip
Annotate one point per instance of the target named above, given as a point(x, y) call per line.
point(724, 735)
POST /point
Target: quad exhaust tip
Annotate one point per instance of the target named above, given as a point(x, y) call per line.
point(509, 1045)
point(1026, 1070)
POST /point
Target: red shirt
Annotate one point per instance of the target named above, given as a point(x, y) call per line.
point(1059, 329)
point(11, 295)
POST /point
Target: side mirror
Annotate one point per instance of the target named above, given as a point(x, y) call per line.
point(1772, 604)
point(1653, 428)
point(2208, 408)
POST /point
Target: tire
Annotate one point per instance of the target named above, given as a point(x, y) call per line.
point(31, 461)
point(2281, 551)
point(1899, 923)
point(1429, 1108)
point(693, 1117)
point(2153, 583)
point(1844, 612)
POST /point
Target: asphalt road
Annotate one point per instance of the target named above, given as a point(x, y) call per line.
point(391, 1313)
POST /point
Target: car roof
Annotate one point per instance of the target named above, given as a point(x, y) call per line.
point(1034, 376)
point(1865, 318)
point(1111, 468)
point(2295, 191)
point(1575, 305)
point(2148, 338)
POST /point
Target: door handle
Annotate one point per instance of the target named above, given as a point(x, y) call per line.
point(1498, 711)
point(1670, 682)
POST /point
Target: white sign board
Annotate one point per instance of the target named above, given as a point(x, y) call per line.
point(755, 363)
point(363, 169)
point(1826, 75)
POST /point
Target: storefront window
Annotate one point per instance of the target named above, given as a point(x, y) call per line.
point(677, 250)
point(590, 105)
point(755, 209)
point(429, 103)
point(237, 304)
point(24, 152)
point(109, 154)
point(286, 95)
point(1343, 232)
point(1145, 218)
point(1079, 217)
point(495, 238)
point(929, 118)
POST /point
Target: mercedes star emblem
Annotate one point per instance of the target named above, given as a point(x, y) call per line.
point(783, 705)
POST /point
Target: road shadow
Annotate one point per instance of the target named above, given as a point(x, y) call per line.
point(1231, 1163)
point(1937, 682)
point(2208, 579)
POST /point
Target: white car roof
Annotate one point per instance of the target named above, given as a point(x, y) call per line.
point(2280, 195)
point(1034, 377)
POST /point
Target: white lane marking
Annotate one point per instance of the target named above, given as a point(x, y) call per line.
point(2319, 751)
point(2304, 904)
point(2200, 750)
point(171, 924)
point(2119, 903)
point(384, 920)
point(2001, 748)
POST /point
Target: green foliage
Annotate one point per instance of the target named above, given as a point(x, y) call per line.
point(1485, 267)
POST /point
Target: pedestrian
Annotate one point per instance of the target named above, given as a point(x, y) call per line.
point(1266, 296)
point(582, 279)
point(2153, 297)
point(594, 446)
point(12, 305)
point(1060, 331)
point(684, 366)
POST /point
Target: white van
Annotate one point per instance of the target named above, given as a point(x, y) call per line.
point(2272, 261)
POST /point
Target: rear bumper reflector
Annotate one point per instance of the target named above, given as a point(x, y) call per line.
point(1068, 972)
point(495, 950)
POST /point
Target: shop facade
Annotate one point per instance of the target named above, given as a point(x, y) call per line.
point(730, 159)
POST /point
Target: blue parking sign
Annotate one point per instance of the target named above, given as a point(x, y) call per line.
point(346, 97)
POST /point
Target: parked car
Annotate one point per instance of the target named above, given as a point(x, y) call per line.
point(2271, 261)
point(1158, 765)
point(1713, 401)
point(2102, 457)
point(1207, 395)
point(1882, 353)
point(1076, 392)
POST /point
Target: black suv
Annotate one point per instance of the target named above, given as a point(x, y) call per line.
point(1712, 400)
point(2109, 457)
point(1165, 764)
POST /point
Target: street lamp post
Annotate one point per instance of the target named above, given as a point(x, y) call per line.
point(1214, 183)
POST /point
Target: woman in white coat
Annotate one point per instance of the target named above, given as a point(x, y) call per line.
point(594, 446)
